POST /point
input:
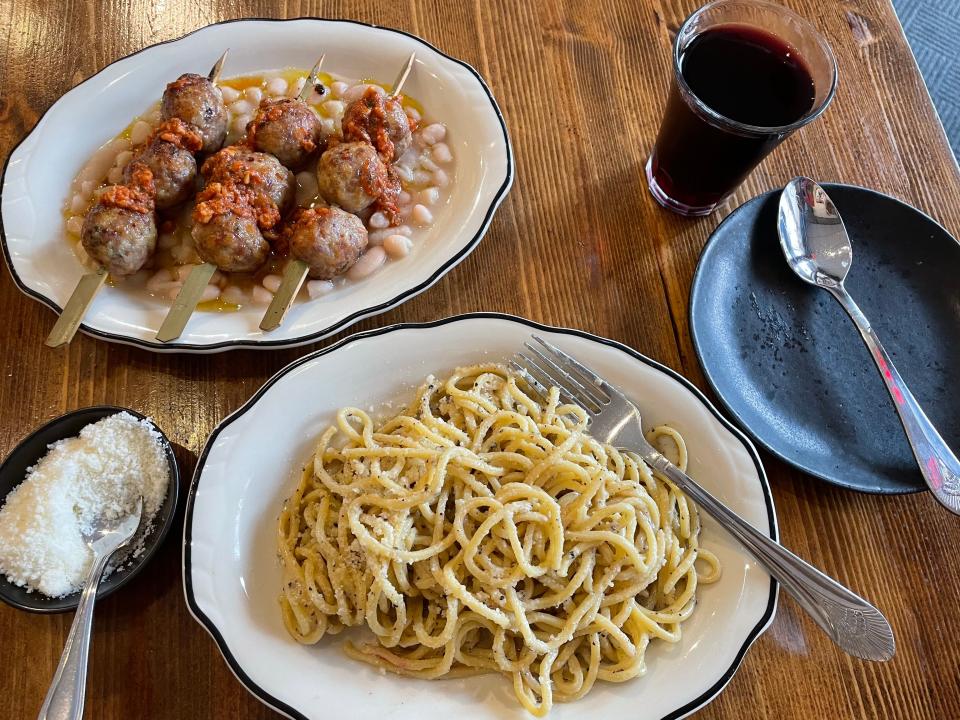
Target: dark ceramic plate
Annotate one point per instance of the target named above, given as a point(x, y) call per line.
point(790, 366)
point(28, 453)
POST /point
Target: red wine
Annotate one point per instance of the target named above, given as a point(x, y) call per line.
point(746, 75)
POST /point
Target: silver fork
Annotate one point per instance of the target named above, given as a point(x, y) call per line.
point(849, 620)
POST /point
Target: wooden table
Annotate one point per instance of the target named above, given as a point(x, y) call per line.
point(581, 86)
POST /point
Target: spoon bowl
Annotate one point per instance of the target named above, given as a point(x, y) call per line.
point(28, 453)
point(812, 234)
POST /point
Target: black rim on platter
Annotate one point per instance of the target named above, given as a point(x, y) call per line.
point(715, 363)
point(37, 602)
point(283, 707)
point(337, 326)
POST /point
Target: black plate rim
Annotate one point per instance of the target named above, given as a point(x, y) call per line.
point(695, 300)
point(168, 509)
point(355, 317)
point(766, 619)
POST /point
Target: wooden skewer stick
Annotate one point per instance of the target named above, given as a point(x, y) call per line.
point(311, 81)
point(215, 71)
point(68, 322)
point(404, 74)
point(186, 302)
point(90, 283)
point(296, 270)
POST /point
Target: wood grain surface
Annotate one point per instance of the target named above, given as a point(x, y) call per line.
point(582, 85)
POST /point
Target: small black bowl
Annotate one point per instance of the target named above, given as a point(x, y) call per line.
point(13, 471)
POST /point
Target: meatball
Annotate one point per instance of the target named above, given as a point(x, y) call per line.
point(352, 176)
point(287, 129)
point(198, 101)
point(174, 171)
point(380, 121)
point(118, 238)
point(329, 240)
point(231, 241)
point(258, 171)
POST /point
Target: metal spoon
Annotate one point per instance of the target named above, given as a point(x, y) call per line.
point(818, 250)
point(65, 697)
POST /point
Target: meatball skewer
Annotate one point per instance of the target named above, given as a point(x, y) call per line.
point(324, 242)
point(248, 192)
point(288, 128)
point(120, 229)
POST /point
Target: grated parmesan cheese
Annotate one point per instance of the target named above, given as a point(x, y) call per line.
point(81, 480)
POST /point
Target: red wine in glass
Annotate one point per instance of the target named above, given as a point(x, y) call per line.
point(740, 90)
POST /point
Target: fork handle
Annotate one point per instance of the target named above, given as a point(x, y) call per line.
point(65, 697)
point(850, 621)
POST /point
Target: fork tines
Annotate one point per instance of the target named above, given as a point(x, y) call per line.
point(545, 366)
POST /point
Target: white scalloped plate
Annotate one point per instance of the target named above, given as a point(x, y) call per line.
point(251, 463)
point(39, 171)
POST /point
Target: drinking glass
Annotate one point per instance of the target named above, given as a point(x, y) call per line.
point(701, 155)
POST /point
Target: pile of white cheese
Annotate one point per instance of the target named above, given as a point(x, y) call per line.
point(79, 482)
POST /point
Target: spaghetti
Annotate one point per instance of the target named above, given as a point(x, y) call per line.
point(484, 531)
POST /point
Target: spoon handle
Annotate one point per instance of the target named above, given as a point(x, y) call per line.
point(940, 467)
point(65, 697)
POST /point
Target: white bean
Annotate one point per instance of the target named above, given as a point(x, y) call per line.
point(272, 282)
point(241, 107)
point(75, 225)
point(422, 177)
point(334, 108)
point(372, 259)
point(78, 203)
point(229, 94)
point(101, 161)
point(357, 91)
point(172, 290)
point(317, 288)
point(254, 95)
point(115, 176)
point(441, 153)
point(338, 88)
point(210, 292)
point(328, 126)
point(295, 89)
point(430, 196)
point(261, 295)
point(421, 215)
point(240, 123)
point(140, 132)
point(397, 246)
point(276, 86)
point(427, 164)
point(314, 98)
point(123, 158)
point(413, 113)
point(441, 179)
point(86, 187)
point(379, 221)
point(234, 295)
point(404, 198)
point(181, 272)
point(159, 278)
point(432, 134)
point(166, 241)
point(152, 115)
point(376, 237)
point(403, 172)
